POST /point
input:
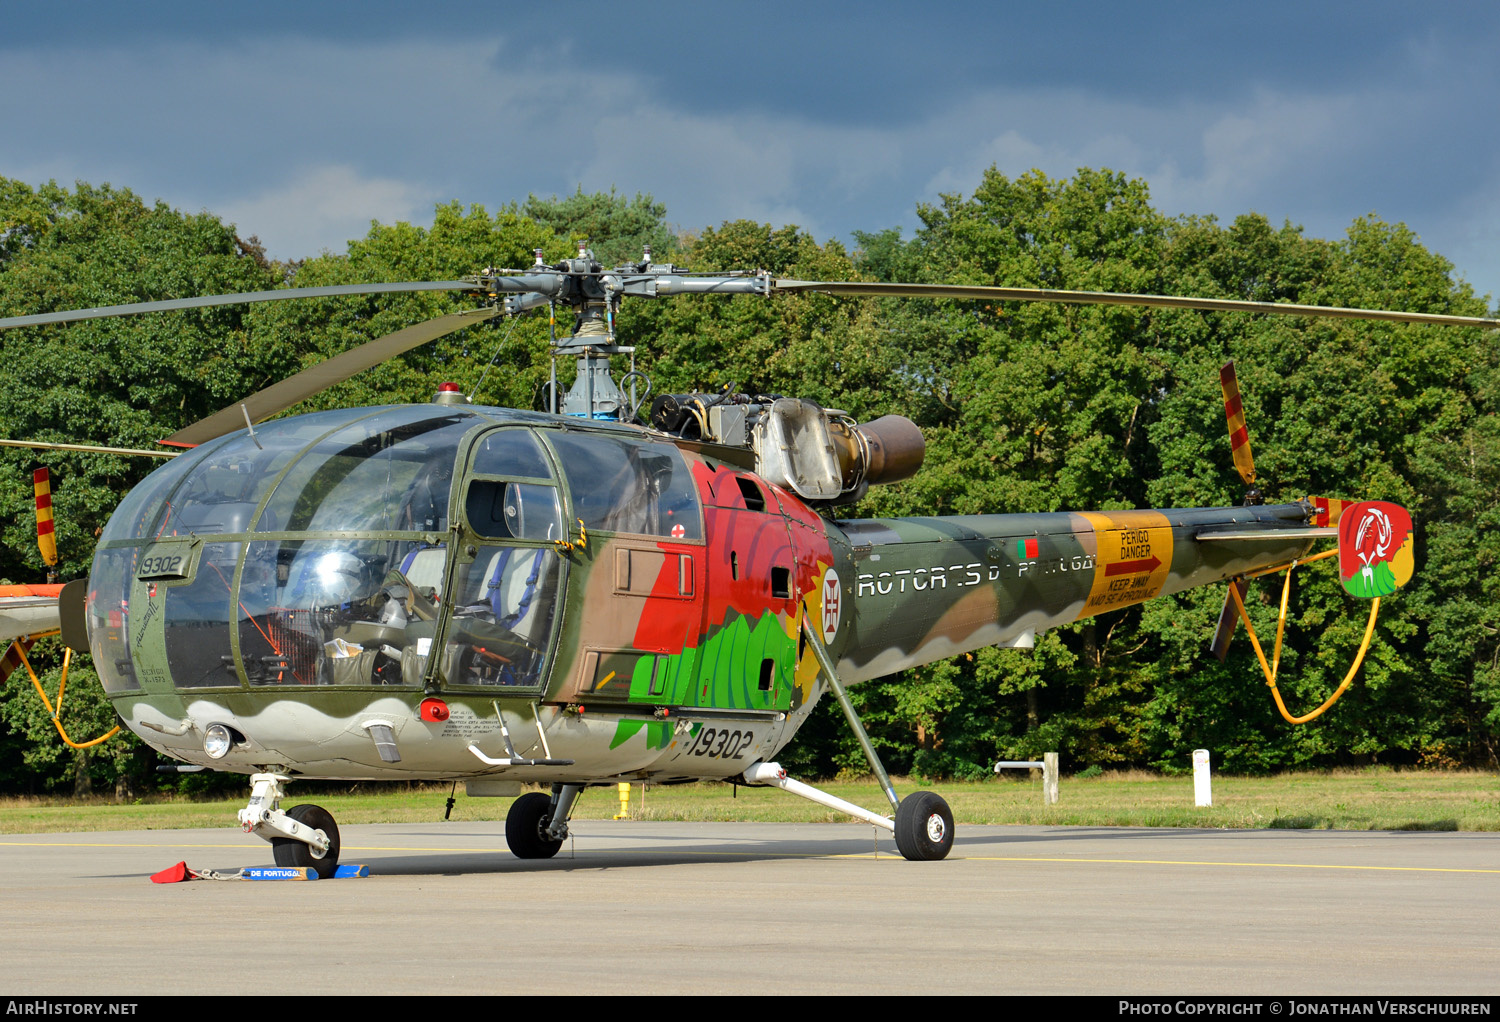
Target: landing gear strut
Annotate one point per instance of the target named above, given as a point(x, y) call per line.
point(923, 826)
point(304, 835)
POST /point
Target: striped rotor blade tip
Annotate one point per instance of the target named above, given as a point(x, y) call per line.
point(41, 484)
point(1239, 436)
point(1229, 617)
point(1329, 510)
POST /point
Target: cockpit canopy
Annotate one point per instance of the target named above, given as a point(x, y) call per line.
point(335, 549)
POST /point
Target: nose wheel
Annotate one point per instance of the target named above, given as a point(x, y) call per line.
point(291, 852)
point(302, 836)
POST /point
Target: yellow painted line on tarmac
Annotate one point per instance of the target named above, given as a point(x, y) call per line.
point(1247, 865)
point(226, 847)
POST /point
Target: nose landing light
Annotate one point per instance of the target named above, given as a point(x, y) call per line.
point(218, 739)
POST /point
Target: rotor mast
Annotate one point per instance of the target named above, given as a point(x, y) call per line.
point(594, 293)
point(594, 394)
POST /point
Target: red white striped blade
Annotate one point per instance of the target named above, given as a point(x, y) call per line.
point(46, 541)
point(1239, 436)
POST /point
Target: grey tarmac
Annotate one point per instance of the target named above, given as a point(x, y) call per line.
point(714, 908)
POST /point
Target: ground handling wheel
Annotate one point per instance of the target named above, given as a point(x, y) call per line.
point(291, 852)
point(924, 826)
point(526, 827)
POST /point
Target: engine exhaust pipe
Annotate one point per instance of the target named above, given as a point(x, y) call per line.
point(887, 450)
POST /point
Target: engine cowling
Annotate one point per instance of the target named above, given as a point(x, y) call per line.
point(820, 454)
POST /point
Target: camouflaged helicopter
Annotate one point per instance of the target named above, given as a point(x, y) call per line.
point(600, 592)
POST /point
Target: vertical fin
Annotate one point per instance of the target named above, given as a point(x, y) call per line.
point(1375, 548)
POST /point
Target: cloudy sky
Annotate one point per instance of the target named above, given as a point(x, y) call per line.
point(302, 122)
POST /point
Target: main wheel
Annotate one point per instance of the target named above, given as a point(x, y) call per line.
point(526, 827)
point(924, 826)
point(291, 852)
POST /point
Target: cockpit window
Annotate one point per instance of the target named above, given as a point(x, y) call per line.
point(140, 513)
point(523, 503)
point(389, 472)
point(510, 452)
point(216, 487)
point(508, 510)
point(506, 599)
point(620, 484)
point(331, 612)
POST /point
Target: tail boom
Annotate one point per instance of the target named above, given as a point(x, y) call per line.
point(929, 588)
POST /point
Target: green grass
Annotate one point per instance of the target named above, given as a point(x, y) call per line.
point(1372, 799)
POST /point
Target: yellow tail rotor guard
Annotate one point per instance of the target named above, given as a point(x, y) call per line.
point(1270, 669)
point(56, 713)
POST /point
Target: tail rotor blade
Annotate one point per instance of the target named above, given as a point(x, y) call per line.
point(46, 539)
point(1239, 436)
point(1228, 618)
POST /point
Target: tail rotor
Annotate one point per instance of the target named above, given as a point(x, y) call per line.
point(1244, 463)
point(1374, 551)
point(1239, 435)
point(46, 539)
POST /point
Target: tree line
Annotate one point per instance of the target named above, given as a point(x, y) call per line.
point(1025, 406)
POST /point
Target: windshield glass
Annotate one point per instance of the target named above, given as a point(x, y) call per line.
point(391, 471)
point(331, 612)
point(320, 552)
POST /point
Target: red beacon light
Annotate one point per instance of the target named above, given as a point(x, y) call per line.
point(434, 711)
point(449, 394)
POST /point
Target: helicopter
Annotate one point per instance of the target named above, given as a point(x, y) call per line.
point(605, 590)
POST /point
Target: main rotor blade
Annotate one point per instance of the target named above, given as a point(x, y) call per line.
point(281, 396)
point(207, 301)
point(44, 445)
point(1026, 294)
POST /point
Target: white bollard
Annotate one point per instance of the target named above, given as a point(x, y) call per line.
point(1202, 789)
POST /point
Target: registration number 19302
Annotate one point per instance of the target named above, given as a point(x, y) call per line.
point(721, 742)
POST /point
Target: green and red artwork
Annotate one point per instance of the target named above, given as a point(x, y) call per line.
point(1375, 548)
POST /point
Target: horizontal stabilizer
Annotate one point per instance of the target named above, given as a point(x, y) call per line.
point(1271, 535)
point(28, 610)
